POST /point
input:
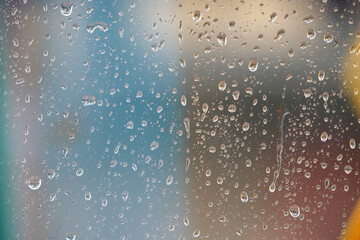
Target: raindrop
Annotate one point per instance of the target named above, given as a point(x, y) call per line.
point(321, 75)
point(246, 126)
point(183, 100)
point(244, 197)
point(197, 16)
point(352, 143)
point(88, 100)
point(79, 172)
point(253, 64)
point(70, 236)
point(154, 145)
point(294, 211)
point(272, 17)
point(279, 34)
point(87, 196)
point(34, 183)
point(232, 108)
point(97, 25)
point(311, 34)
point(66, 9)
point(169, 179)
point(328, 38)
point(347, 169)
point(222, 39)
point(222, 86)
point(324, 136)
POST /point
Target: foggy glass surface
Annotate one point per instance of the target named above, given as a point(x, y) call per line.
point(179, 120)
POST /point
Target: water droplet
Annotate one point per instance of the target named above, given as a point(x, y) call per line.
point(183, 100)
point(308, 19)
point(97, 25)
point(231, 25)
point(34, 183)
point(154, 145)
point(246, 126)
point(196, 233)
point(205, 107)
point(311, 34)
point(236, 94)
point(232, 108)
point(187, 126)
point(272, 17)
point(347, 169)
point(222, 39)
point(88, 100)
point(326, 183)
point(222, 218)
point(321, 75)
point(294, 211)
point(51, 174)
point(169, 180)
point(307, 92)
point(66, 8)
point(186, 221)
point(70, 236)
point(279, 34)
point(197, 16)
point(324, 136)
point(125, 195)
point(244, 197)
point(352, 143)
point(253, 64)
point(238, 231)
point(222, 86)
point(104, 202)
point(328, 38)
point(79, 172)
point(87, 196)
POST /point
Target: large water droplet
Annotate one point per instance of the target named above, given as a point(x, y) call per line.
point(70, 236)
point(169, 180)
point(34, 183)
point(222, 39)
point(100, 25)
point(244, 197)
point(66, 8)
point(253, 64)
point(352, 143)
point(197, 16)
point(294, 211)
point(154, 145)
point(272, 17)
point(88, 100)
point(324, 136)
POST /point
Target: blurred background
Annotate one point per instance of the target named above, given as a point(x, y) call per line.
point(179, 119)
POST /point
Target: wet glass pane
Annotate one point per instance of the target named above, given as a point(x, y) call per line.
point(164, 119)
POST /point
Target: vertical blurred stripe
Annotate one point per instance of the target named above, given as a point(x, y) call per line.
point(352, 230)
point(5, 196)
point(351, 81)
